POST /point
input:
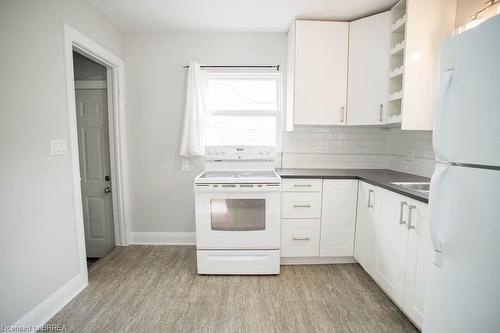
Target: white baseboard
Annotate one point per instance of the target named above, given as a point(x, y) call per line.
point(44, 311)
point(163, 238)
point(317, 260)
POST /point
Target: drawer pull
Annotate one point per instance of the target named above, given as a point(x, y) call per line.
point(302, 185)
point(301, 206)
point(301, 238)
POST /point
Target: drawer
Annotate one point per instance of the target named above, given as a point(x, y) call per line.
point(300, 237)
point(301, 205)
point(301, 185)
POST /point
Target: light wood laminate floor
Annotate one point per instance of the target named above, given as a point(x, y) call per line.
point(156, 289)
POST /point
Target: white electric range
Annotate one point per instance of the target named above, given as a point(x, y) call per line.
point(238, 206)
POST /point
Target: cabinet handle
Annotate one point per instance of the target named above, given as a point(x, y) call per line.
point(403, 204)
point(302, 185)
point(370, 192)
point(342, 114)
point(381, 112)
point(301, 238)
point(410, 208)
point(301, 206)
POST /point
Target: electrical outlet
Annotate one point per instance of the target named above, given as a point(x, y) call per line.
point(185, 165)
point(409, 156)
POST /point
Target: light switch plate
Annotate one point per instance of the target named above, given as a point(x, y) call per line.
point(58, 147)
point(185, 165)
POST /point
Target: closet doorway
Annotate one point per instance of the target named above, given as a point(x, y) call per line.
point(91, 99)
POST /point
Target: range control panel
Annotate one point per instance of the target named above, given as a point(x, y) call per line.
point(243, 153)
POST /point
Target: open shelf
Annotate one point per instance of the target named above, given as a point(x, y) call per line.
point(396, 62)
point(398, 11)
point(398, 48)
point(394, 119)
point(397, 95)
point(396, 72)
point(399, 25)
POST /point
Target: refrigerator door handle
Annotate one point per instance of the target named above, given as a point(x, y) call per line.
point(434, 205)
point(439, 115)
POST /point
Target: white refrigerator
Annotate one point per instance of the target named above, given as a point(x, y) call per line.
point(463, 290)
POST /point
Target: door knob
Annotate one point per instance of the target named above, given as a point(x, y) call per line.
point(107, 189)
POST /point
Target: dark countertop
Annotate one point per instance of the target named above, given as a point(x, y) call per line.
point(378, 177)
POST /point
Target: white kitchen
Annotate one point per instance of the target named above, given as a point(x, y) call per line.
point(250, 166)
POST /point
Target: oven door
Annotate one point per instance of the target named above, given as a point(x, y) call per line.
point(237, 216)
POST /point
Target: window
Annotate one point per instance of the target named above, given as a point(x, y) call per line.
point(243, 109)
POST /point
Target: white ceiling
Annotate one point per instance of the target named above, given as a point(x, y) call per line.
point(230, 15)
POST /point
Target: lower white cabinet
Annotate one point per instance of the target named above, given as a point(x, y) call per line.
point(318, 218)
point(393, 244)
point(388, 266)
point(300, 237)
point(387, 233)
point(367, 217)
point(418, 260)
point(338, 217)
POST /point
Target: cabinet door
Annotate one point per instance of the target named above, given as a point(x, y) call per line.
point(367, 216)
point(391, 234)
point(369, 44)
point(419, 259)
point(290, 79)
point(320, 80)
point(338, 217)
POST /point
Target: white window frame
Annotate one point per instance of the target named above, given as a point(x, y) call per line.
point(254, 75)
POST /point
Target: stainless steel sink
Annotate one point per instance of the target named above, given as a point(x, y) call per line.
point(414, 186)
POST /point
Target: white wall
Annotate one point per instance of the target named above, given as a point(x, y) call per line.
point(38, 250)
point(161, 195)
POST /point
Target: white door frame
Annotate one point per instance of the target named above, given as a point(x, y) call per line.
point(74, 40)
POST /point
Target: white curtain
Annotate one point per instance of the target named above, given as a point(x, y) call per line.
point(193, 136)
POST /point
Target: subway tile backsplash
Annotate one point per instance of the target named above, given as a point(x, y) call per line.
point(401, 143)
point(358, 147)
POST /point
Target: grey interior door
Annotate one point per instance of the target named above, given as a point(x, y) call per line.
point(95, 172)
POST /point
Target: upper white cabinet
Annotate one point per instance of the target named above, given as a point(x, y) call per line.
point(369, 44)
point(417, 30)
point(338, 218)
point(317, 73)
